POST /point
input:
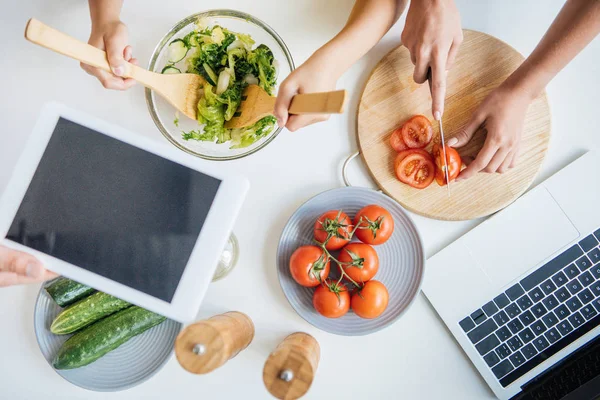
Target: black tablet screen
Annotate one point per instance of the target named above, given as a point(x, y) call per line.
point(114, 209)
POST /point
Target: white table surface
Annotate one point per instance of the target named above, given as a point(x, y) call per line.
point(415, 358)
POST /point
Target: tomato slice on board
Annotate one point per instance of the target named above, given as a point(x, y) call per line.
point(417, 132)
point(454, 163)
point(396, 140)
point(415, 168)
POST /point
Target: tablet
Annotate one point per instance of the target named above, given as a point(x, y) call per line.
point(126, 215)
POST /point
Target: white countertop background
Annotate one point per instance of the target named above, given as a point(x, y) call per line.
point(416, 358)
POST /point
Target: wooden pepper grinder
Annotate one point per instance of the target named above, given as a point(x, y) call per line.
point(208, 344)
point(290, 369)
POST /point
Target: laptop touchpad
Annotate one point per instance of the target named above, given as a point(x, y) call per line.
point(520, 237)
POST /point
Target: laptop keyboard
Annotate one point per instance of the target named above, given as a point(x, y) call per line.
point(540, 315)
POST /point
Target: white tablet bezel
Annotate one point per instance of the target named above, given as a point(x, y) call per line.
point(213, 237)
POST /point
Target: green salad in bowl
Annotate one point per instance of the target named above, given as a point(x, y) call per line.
point(230, 50)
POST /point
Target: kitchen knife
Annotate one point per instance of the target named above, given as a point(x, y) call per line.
point(441, 138)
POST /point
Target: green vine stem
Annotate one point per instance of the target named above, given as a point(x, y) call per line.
point(340, 264)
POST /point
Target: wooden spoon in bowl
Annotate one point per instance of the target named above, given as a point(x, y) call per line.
point(257, 104)
point(181, 90)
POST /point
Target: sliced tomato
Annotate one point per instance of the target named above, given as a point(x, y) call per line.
point(396, 140)
point(454, 164)
point(417, 132)
point(415, 168)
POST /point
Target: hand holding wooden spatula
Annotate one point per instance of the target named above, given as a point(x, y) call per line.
point(182, 90)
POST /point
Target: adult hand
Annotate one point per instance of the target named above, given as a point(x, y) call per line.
point(18, 268)
point(112, 37)
point(433, 34)
point(312, 76)
point(501, 115)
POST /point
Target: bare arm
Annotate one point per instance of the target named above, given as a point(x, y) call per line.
point(368, 22)
point(574, 28)
point(503, 112)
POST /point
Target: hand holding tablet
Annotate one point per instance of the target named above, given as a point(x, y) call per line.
point(120, 213)
point(17, 268)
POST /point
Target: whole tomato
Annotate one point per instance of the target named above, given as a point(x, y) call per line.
point(331, 299)
point(371, 300)
point(375, 224)
point(335, 228)
point(309, 266)
point(361, 261)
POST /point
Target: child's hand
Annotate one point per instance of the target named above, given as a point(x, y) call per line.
point(18, 268)
point(502, 115)
point(312, 76)
point(433, 34)
point(112, 37)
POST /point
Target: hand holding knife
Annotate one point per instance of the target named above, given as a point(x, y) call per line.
point(442, 140)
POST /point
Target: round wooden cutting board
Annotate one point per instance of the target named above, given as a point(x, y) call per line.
point(391, 97)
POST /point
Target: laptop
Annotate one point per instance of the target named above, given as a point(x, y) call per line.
point(521, 291)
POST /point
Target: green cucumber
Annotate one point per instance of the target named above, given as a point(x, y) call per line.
point(178, 49)
point(65, 291)
point(169, 69)
point(93, 342)
point(211, 74)
point(85, 312)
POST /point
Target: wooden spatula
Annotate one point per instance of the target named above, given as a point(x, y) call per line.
point(181, 90)
point(257, 104)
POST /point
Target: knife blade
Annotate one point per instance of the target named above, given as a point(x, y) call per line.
point(441, 138)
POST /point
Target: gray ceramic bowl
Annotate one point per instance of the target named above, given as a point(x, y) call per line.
point(129, 365)
point(401, 259)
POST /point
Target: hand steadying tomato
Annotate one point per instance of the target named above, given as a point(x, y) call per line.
point(335, 228)
point(415, 168)
point(309, 266)
point(361, 261)
point(331, 299)
point(370, 301)
point(375, 224)
point(454, 164)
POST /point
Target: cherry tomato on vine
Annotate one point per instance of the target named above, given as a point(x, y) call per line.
point(331, 299)
point(335, 228)
point(371, 300)
point(362, 261)
point(375, 224)
point(309, 266)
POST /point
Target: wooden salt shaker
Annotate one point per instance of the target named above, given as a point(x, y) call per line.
point(290, 369)
point(206, 345)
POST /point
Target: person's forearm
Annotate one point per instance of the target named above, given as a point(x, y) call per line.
point(103, 11)
point(369, 21)
point(574, 28)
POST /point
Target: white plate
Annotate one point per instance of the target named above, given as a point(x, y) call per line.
point(401, 260)
point(128, 365)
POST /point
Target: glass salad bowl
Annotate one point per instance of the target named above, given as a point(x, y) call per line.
point(173, 125)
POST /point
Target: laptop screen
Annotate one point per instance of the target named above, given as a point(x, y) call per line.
point(114, 209)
